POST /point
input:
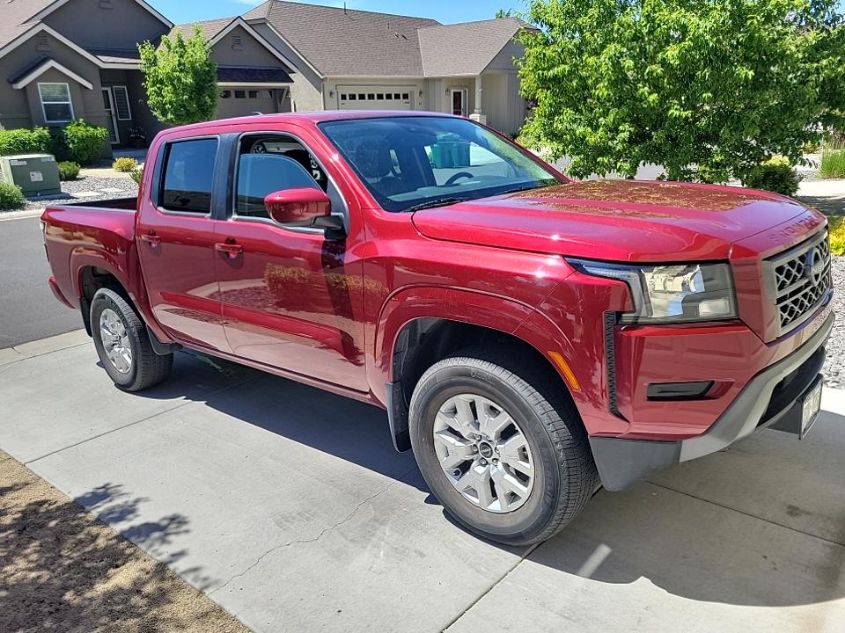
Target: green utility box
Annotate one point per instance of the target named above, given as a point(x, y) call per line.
point(36, 174)
point(450, 151)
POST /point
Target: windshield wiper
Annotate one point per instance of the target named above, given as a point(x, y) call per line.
point(438, 202)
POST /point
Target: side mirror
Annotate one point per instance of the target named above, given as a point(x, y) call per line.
point(298, 206)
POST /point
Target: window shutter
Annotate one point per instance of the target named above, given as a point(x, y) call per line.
point(121, 103)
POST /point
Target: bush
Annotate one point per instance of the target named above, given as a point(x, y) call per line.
point(833, 163)
point(85, 142)
point(837, 234)
point(775, 174)
point(136, 174)
point(24, 141)
point(68, 170)
point(11, 197)
point(125, 164)
point(58, 144)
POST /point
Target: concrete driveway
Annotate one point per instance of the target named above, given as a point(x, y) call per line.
point(289, 508)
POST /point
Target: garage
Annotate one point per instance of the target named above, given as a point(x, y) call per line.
point(376, 97)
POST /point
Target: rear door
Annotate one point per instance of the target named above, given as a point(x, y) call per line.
point(175, 236)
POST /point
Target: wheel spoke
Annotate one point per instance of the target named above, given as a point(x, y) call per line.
point(508, 484)
point(452, 451)
point(493, 421)
point(477, 480)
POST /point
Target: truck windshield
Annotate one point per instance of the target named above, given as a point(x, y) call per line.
point(409, 163)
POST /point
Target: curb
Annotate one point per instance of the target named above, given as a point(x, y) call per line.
point(43, 346)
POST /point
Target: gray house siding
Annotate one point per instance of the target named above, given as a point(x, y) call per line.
point(122, 27)
point(250, 53)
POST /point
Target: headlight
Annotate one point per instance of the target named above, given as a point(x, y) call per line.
point(671, 293)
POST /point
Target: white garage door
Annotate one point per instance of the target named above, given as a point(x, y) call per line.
point(375, 97)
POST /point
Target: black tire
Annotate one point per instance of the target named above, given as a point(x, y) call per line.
point(147, 367)
point(565, 475)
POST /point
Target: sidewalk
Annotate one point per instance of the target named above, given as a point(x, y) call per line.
point(295, 514)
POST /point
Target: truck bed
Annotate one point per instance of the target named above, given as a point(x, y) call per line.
point(124, 204)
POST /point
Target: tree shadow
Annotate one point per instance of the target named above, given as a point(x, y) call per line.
point(63, 570)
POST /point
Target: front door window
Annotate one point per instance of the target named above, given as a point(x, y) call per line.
point(111, 116)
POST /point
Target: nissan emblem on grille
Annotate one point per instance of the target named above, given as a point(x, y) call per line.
point(815, 265)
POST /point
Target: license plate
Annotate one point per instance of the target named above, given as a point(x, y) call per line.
point(811, 408)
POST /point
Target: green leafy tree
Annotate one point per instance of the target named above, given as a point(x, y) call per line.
point(707, 88)
point(180, 78)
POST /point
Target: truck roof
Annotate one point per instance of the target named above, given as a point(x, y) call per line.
point(310, 117)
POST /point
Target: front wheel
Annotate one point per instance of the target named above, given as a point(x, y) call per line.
point(123, 344)
point(504, 462)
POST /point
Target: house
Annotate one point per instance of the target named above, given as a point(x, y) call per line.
point(78, 59)
point(348, 59)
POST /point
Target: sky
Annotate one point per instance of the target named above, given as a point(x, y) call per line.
point(446, 11)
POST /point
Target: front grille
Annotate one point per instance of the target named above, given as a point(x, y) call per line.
point(801, 280)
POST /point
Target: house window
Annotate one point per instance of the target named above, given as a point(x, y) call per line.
point(226, 94)
point(240, 94)
point(121, 103)
point(253, 94)
point(55, 102)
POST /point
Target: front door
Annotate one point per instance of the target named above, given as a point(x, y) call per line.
point(111, 115)
point(291, 297)
point(459, 100)
point(176, 244)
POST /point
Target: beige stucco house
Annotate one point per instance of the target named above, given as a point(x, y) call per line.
point(69, 59)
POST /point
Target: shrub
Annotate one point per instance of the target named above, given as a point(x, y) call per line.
point(833, 163)
point(24, 141)
point(775, 174)
point(68, 170)
point(125, 164)
point(58, 144)
point(85, 142)
point(136, 174)
point(11, 197)
point(837, 234)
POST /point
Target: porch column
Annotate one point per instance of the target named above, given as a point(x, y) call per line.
point(478, 113)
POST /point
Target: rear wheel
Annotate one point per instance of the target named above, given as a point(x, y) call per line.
point(503, 460)
point(123, 344)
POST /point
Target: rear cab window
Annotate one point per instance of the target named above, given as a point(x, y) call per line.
point(188, 176)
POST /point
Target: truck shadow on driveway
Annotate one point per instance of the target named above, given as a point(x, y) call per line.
point(760, 524)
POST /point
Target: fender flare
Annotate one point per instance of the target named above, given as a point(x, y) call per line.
point(129, 277)
point(493, 312)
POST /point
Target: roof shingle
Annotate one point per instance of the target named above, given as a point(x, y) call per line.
point(346, 42)
point(464, 49)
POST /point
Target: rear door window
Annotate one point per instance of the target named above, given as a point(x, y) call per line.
point(188, 176)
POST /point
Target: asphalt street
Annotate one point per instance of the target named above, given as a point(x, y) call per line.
point(28, 310)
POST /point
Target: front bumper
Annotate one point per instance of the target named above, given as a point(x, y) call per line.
point(766, 400)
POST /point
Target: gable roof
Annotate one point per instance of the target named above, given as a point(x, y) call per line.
point(467, 48)
point(28, 75)
point(363, 43)
point(46, 7)
point(214, 30)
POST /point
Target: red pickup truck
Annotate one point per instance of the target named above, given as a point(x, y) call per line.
point(531, 338)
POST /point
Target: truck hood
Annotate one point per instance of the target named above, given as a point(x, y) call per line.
point(617, 220)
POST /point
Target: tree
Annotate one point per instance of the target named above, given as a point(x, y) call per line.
point(706, 88)
point(180, 78)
